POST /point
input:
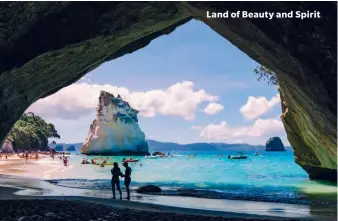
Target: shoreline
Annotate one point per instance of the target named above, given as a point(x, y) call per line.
point(19, 185)
point(35, 189)
point(314, 195)
point(130, 208)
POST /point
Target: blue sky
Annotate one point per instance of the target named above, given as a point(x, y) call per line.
point(194, 53)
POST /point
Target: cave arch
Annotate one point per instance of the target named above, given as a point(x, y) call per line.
point(45, 46)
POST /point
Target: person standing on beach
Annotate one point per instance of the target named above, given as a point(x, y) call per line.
point(115, 180)
point(127, 179)
point(26, 156)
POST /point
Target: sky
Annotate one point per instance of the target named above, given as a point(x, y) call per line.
point(189, 86)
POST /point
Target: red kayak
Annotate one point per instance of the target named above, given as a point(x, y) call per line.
point(131, 161)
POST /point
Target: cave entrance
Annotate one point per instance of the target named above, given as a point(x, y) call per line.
point(197, 96)
point(41, 64)
point(193, 86)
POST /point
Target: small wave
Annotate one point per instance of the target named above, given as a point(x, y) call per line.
point(231, 192)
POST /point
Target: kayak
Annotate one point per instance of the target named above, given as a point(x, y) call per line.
point(130, 161)
point(237, 157)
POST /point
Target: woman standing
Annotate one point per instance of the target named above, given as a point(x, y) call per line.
point(115, 180)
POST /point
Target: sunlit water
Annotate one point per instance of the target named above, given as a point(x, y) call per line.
point(271, 176)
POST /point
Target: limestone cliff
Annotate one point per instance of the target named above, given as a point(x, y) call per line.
point(45, 46)
point(115, 131)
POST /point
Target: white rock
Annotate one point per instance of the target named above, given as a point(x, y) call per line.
point(115, 131)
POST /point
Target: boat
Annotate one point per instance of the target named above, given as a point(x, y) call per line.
point(256, 153)
point(151, 157)
point(237, 157)
point(130, 161)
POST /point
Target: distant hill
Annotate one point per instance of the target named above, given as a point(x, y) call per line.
point(168, 146)
point(67, 145)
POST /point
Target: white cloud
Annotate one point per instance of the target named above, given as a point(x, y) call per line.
point(255, 107)
point(213, 108)
point(80, 100)
point(261, 128)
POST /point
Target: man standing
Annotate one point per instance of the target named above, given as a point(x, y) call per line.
point(127, 178)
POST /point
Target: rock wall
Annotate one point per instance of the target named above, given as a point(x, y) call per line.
point(45, 46)
point(115, 131)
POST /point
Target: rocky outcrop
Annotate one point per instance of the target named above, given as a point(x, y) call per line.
point(274, 144)
point(115, 131)
point(71, 148)
point(149, 189)
point(158, 154)
point(45, 46)
point(7, 147)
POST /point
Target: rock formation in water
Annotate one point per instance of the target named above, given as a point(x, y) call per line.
point(45, 46)
point(71, 148)
point(115, 131)
point(149, 189)
point(274, 144)
point(7, 147)
point(157, 153)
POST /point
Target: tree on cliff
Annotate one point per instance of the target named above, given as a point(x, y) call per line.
point(31, 132)
point(266, 74)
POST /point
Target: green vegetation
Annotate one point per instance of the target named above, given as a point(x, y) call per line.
point(266, 74)
point(31, 132)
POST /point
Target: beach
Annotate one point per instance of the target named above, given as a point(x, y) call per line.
point(15, 165)
point(26, 181)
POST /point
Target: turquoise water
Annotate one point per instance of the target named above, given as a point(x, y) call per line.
point(271, 176)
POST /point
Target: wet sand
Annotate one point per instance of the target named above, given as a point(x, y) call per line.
point(16, 207)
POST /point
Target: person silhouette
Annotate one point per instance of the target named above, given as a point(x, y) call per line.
point(115, 180)
point(127, 179)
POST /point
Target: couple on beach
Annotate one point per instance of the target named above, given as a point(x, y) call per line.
point(115, 180)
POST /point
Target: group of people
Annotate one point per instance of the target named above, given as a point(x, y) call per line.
point(64, 159)
point(115, 180)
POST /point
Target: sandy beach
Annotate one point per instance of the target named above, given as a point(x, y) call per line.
point(25, 196)
point(15, 165)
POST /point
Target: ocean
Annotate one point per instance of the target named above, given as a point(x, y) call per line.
point(268, 177)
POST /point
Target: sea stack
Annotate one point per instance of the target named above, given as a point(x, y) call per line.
point(274, 144)
point(71, 148)
point(115, 131)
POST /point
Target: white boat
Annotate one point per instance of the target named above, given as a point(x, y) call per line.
point(151, 157)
